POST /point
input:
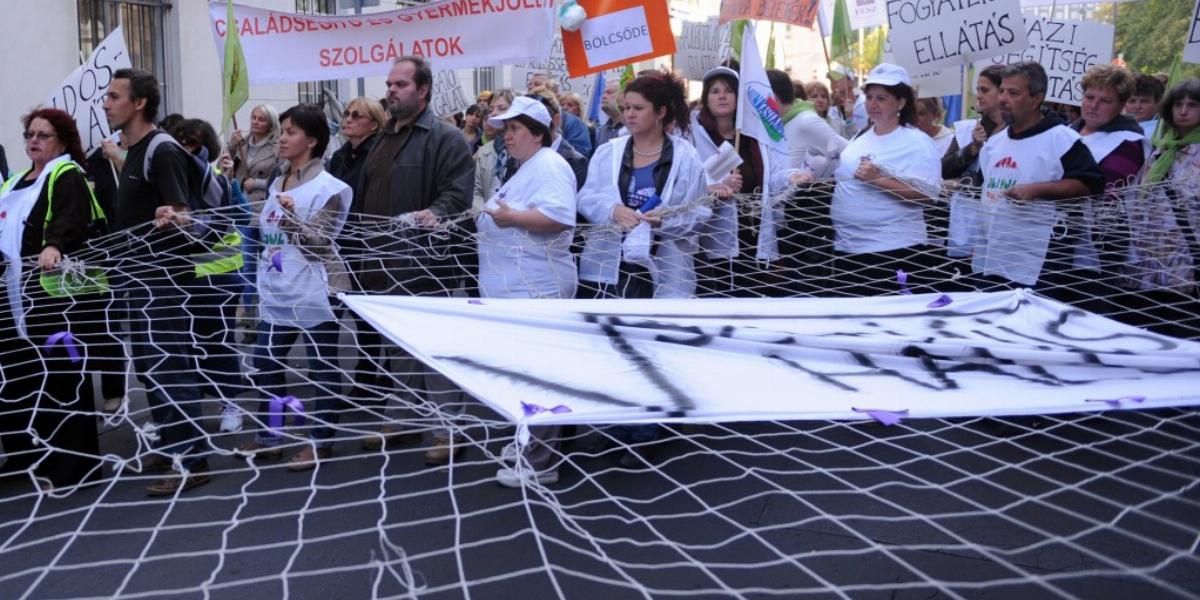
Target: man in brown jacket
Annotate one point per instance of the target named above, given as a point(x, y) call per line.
point(420, 171)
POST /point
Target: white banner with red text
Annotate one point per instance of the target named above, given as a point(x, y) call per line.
point(284, 47)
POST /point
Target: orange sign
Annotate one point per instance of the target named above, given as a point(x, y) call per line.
point(617, 33)
point(792, 12)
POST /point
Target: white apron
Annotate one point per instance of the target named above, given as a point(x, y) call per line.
point(294, 289)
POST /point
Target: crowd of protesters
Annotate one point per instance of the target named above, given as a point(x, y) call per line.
point(260, 233)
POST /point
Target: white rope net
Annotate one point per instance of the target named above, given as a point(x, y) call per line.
point(1104, 504)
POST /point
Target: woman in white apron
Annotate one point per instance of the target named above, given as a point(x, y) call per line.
point(1104, 244)
point(740, 243)
point(524, 239)
point(297, 270)
point(49, 328)
point(645, 196)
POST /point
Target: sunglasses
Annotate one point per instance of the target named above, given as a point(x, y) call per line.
point(353, 114)
point(29, 135)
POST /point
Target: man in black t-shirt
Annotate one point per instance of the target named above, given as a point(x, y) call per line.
point(154, 210)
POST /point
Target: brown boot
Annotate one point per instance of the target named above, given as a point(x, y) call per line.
point(443, 450)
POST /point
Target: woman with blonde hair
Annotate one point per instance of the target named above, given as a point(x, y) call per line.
point(362, 118)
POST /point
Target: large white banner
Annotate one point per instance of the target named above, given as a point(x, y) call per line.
point(283, 47)
point(1066, 49)
point(1191, 46)
point(712, 360)
point(701, 46)
point(927, 36)
point(82, 93)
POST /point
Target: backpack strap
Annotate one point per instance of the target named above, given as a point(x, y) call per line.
point(156, 141)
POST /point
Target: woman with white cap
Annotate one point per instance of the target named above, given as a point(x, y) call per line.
point(886, 175)
point(526, 227)
point(738, 240)
point(524, 236)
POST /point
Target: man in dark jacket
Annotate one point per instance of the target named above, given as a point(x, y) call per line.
point(420, 170)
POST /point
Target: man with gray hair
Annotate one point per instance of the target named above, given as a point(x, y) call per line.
point(1036, 172)
point(420, 168)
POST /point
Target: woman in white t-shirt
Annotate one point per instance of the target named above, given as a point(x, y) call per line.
point(885, 176)
point(525, 234)
point(526, 227)
point(306, 208)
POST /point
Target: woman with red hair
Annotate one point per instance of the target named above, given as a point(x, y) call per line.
point(54, 307)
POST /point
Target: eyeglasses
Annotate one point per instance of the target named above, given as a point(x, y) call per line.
point(353, 114)
point(42, 136)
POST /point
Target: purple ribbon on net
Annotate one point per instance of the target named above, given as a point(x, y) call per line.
point(534, 409)
point(475, 301)
point(941, 301)
point(68, 340)
point(1116, 402)
point(276, 262)
point(275, 411)
point(887, 417)
point(902, 279)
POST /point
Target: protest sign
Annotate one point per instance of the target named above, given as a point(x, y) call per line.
point(792, 12)
point(1066, 49)
point(701, 46)
point(945, 82)
point(554, 66)
point(449, 97)
point(82, 93)
point(283, 47)
point(617, 33)
point(1191, 46)
point(928, 35)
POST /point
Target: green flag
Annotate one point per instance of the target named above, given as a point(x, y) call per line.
point(841, 46)
point(1173, 78)
point(235, 85)
point(735, 39)
point(626, 75)
point(771, 48)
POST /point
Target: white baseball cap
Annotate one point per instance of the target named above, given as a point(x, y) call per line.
point(720, 70)
point(887, 74)
point(523, 105)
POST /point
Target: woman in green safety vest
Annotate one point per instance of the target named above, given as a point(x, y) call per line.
point(54, 315)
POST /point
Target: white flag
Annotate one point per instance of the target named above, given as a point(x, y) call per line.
point(759, 114)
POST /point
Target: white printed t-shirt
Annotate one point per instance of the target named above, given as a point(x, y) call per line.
point(868, 219)
point(515, 263)
point(1015, 237)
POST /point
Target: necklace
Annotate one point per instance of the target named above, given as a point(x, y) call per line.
point(646, 154)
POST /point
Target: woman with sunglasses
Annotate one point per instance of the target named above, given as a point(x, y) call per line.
point(53, 322)
point(361, 120)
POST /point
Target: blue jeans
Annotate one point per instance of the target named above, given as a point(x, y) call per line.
point(162, 351)
point(270, 358)
point(212, 302)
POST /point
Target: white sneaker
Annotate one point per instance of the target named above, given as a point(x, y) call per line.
point(509, 454)
point(231, 418)
point(510, 478)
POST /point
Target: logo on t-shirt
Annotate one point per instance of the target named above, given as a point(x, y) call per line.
point(273, 217)
point(1002, 176)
